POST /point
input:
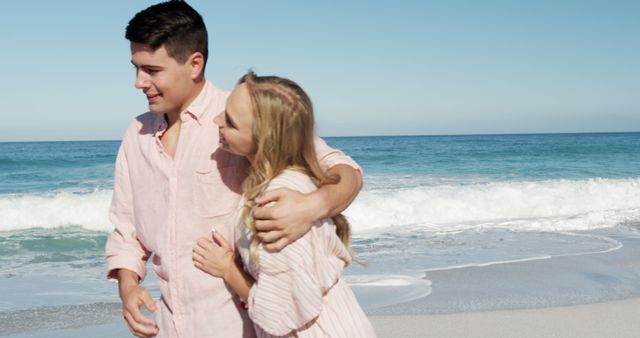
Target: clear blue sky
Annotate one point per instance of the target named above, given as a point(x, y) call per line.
point(371, 67)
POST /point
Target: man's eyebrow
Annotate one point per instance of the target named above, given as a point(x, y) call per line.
point(146, 66)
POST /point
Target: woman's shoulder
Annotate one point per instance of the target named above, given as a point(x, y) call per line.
point(294, 180)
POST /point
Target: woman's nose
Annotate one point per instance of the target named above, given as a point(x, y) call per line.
point(218, 119)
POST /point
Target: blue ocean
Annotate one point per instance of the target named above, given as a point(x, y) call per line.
point(430, 204)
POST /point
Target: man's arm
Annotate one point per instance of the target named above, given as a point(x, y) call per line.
point(126, 256)
point(294, 213)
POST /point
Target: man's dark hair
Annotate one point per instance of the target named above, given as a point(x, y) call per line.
point(172, 24)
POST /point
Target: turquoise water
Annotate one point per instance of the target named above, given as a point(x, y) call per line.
point(499, 157)
point(53, 166)
point(50, 166)
point(430, 203)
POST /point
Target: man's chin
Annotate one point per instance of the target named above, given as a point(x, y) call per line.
point(157, 109)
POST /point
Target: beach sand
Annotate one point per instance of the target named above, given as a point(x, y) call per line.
point(611, 319)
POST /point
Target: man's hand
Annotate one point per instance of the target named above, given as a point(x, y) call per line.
point(289, 218)
point(133, 297)
point(293, 213)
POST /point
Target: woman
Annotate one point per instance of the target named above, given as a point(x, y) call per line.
point(297, 291)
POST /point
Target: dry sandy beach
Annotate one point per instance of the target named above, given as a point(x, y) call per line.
point(611, 319)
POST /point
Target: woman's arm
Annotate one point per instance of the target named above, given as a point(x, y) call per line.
point(288, 293)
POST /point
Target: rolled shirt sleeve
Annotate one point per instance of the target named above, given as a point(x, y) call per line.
point(329, 157)
point(286, 295)
point(123, 249)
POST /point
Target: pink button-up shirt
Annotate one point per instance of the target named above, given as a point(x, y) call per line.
point(162, 205)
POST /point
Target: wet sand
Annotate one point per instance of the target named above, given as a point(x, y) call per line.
point(611, 319)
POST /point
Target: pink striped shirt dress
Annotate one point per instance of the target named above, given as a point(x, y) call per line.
point(299, 291)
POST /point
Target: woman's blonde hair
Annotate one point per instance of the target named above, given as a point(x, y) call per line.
point(283, 133)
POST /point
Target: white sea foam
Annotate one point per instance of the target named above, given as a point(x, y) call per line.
point(553, 205)
point(375, 291)
point(88, 210)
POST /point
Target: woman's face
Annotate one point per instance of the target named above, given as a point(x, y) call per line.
point(236, 123)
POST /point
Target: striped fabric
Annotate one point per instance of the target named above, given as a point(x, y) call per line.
point(299, 291)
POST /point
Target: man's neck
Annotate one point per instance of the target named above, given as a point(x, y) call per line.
point(174, 116)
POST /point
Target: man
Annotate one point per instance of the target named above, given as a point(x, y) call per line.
point(172, 185)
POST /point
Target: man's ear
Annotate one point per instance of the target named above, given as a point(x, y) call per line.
point(196, 61)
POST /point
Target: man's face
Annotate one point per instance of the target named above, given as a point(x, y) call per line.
point(167, 84)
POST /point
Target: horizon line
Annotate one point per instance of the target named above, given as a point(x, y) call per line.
point(396, 135)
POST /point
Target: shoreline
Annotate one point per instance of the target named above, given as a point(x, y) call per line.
point(592, 295)
point(559, 281)
point(607, 319)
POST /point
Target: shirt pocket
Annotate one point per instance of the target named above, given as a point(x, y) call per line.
point(218, 190)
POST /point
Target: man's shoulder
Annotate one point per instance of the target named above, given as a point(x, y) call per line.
point(217, 90)
point(210, 101)
point(218, 96)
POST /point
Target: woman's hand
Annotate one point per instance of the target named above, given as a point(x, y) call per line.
point(213, 257)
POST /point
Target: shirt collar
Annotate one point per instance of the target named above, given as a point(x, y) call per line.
point(159, 124)
point(196, 110)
